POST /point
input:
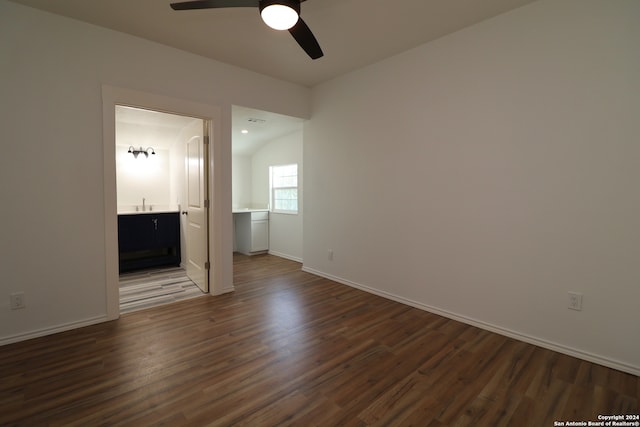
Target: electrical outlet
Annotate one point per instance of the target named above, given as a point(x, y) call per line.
point(575, 301)
point(17, 300)
point(330, 254)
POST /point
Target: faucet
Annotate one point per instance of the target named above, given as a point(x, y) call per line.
point(143, 208)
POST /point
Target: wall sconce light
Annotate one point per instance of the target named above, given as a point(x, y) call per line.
point(136, 151)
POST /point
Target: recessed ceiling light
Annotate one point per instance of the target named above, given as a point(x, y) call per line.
point(244, 131)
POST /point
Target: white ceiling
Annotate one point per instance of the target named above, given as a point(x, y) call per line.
point(147, 128)
point(262, 127)
point(352, 33)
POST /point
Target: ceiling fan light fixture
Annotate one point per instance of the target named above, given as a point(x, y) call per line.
point(280, 14)
point(277, 14)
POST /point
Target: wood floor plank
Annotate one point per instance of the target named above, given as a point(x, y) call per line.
point(154, 287)
point(291, 348)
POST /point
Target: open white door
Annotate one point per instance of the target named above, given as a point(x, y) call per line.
point(197, 208)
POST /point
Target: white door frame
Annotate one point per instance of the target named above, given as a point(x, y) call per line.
point(112, 96)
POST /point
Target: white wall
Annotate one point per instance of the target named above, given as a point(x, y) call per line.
point(51, 169)
point(488, 173)
point(285, 230)
point(242, 181)
point(177, 163)
point(143, 177)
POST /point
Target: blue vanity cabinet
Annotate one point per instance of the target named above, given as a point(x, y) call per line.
point(148, 240)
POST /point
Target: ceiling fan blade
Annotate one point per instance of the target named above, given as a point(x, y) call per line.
point(213, 4)
point(305, 38)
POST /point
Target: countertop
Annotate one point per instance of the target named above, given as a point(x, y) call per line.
point(151, 209)
point(246, 210)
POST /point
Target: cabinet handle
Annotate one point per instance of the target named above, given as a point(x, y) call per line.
point(155, 223)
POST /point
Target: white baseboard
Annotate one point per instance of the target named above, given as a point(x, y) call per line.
point(51, 330)
point(289, 257)
point(590, 357)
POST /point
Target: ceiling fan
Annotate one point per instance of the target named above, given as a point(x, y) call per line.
point(278, 14)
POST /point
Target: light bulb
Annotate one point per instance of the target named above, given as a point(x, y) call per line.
point(279, 17)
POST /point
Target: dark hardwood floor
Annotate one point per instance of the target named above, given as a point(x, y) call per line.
point(290, 348)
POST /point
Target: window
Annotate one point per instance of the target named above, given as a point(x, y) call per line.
point(284, 188)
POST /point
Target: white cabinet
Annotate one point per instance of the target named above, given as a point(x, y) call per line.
point(252, 232)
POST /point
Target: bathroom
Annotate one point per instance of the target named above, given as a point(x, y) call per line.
point(152, 171)
point(152, 193)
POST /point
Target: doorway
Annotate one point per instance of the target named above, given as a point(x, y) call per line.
point(262, 141)
point(220, 268)
point(161, 173)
